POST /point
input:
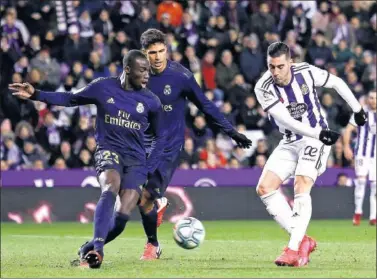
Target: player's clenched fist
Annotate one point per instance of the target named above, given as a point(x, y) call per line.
point(23, 90)
point(360, 118)
point(328, 137)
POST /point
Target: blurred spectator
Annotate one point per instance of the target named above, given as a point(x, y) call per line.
point(67, 155)
point(285, 13)
point(235, 15)
point(188, 154)
point(165, 24)
point(188, 32)
point(297, 51)
point(227, 111)
point(192, 62)
point(14, 30)
point(49, 135)
point(33, 48)
point(102, 48)
point(199, 132)
point(103, 24)
point(342, 54)
point(142, 23)
point(234, 164)
point(171, 8)
point(24, 132)
point(250, 115)
point(309, 7)
point(91, 145)
point(30, 154)
point(86, 26)
point(251, 60)
point(301, 25)
point(337, 155)
point(368, 77)
point(321, 18)
point(85, 161)
point(319, 54)
point(75, 47)
point(4, 166)
point(343, 180)
point(238, 93)
point(331, 110)
point(241, 156)
point(38, 165)
point(356, 10)
point(226, 70)
point(341, 30)
point(354, 84)
point(260, 161)
point(59, 164)
point(49, 67)
point(22, 67)
point(12, 154)
point(209, 70)
point(213, 157)
point(261, 149)
point(262, 22)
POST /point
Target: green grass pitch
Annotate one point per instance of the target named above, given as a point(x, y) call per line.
point(232, 249)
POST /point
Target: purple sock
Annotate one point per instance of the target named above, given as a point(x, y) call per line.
point(102, 219)
point(150, 225)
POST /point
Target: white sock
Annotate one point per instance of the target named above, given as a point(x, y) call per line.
point(372, 200)
point(360, 184)
point(302, 212)
point(279, 209)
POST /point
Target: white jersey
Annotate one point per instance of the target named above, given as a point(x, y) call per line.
point(299, 96)
point(366, 136)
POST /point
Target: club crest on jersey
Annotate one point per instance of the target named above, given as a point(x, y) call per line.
point(268, 95)
point(140, 108)
point(167, 89)
point(304, 89)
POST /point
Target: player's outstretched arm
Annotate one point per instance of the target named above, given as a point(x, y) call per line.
point(281, 115)
point(323, 78)
point(66, 99)
point(196, 95)
point(156, 124)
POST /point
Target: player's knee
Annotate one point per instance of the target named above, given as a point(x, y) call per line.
point(263, 189)
point(110, 181)
point(303, 184)
point(129, 199)
point(147, 207)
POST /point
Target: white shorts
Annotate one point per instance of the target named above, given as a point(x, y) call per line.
point(305, 157)
point(365, 166)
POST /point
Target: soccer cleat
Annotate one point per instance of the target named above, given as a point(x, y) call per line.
point(356, 219)
point(288, 258)
point(372, 222)
point(151, 252)
point(162, 205)
point(307, 246)
point(94, 259)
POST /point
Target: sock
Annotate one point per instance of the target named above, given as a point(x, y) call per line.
point(360, 184)
point(150, 225)
point(302, 212)
point(102, 219)
point(278, 207)
point(116, 228)
point(372, 200)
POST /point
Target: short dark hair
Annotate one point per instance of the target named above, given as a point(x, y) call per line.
point(152, 36)
point(131, 56)
point(277, 49)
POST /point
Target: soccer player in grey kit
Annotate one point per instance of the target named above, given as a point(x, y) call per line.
point(125, 109)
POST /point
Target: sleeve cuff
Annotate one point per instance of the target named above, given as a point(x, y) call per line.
point(328, 75)
point(270, 106)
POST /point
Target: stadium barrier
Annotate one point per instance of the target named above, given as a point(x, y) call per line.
point(52, 196)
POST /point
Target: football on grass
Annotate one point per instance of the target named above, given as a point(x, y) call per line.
point(189, 233)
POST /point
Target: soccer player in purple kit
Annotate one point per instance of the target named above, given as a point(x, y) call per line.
point(125, 109)
point(174, 85)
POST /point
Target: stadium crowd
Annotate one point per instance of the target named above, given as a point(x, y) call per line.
point(63, 45)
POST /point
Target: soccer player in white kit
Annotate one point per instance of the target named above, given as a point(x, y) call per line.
point(288, 93)
point(365, 159)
